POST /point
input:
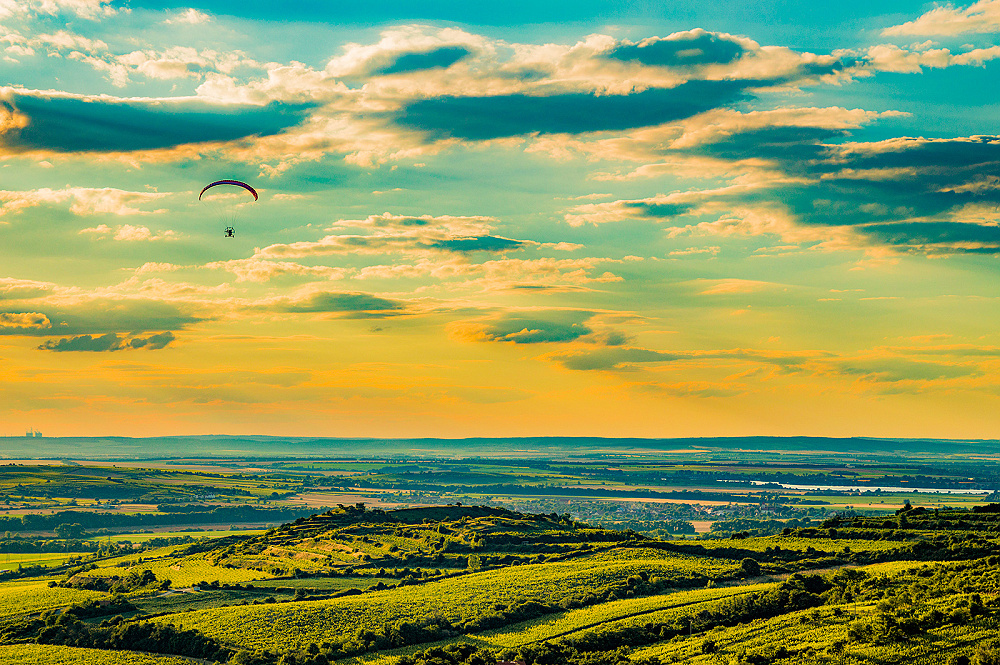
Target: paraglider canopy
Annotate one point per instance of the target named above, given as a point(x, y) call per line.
point(228, 205)
point(237, 183)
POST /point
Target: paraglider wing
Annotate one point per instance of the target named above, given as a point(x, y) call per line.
point(229, 182)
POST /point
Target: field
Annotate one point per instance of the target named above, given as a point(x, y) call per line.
point(11, 560)
point(209, 533)
point(34, 595)
point(457, 600)
point(577, 561)
point(612, 614)
point(182, 571)
point(39, 654)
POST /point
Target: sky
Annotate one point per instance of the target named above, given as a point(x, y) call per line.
point(638, 219)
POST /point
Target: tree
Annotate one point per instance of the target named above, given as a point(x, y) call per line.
point(750, 567)
point(70, 531)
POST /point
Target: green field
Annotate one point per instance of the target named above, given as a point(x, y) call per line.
point(780, 580)
point(457, 600)
point(611, 614)
point(143, 537)
point(48, 654)
point(11, 560)
point(34, 595)
point(183, 571)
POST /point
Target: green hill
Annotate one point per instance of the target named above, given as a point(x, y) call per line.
point(453, 584)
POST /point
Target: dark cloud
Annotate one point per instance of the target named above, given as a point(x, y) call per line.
point(401, 243)
point(153, 342)
point(98, 317)
point(975, 238)
point(891, 370)
point(899, 192)
point(483, 118)
point(648, 209)
point(108, 342)
point(623, 358)
point(439, 58)
point(353, 305)
point(478, 244)
point(793, 146)
point(694, 48)
point(536, 328)
point(613, 358)
point(612, 338)
point(70, 124)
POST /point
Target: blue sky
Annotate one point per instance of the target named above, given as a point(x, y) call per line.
point(644, 219)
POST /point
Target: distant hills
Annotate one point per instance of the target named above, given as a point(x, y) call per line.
point(270, 447)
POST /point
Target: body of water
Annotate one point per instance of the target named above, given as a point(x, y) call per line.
point(865, 488)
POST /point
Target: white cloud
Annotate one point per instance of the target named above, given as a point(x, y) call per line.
point(128, 233)
point(83, 201)
point(891, 58)
point(90, 9)
point(190, 16)
point(948, 20)
point(259, 270)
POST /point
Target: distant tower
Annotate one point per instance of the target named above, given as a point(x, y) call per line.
point(33, 433)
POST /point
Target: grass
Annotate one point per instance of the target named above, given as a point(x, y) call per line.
point(11, 560)
point(184, 572)
point(458, 599)
point(47, 654)
point(34, 595)
point(607, 615)
point(143, 537)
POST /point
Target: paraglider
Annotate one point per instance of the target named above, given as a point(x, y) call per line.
point(228, 203)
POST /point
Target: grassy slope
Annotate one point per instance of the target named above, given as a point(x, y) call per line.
point(455, 599)
point(45, 654)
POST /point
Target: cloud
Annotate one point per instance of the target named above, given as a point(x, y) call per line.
point(153, 342)
point(696, 47)
point(536, 328)
point(128, 233)
point(696, 251)
point(703, 389)
point(733, 286)
point(612, 358)
point(389, 244)
point(484, 118)
point(439, 58)
point(89, 9)
point(401, 233)
point(626, 358)
point(891, 370)
point(407, 50)
point(77, 314)
point(108, 342)
point(259, 270)
point(891, 58)
point(662, 207)
point(190, 16)
point(351, 305)
point(948, 21)
point(20, 289)
point(543, 326)
point(83, 201)
point(63, 123)
point(807, 185)
point(936, 237)
point(19, 321)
